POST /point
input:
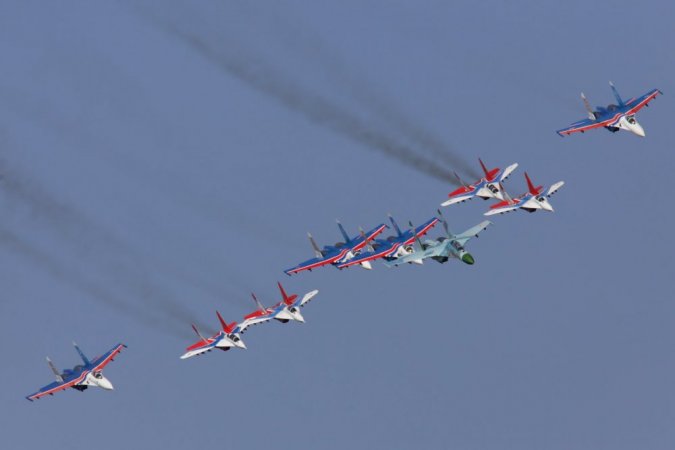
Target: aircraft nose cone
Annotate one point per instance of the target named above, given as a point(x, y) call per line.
point(299, 317)
point(105, 384)
point(468, 259)
point(241, 344)
point(639, 130)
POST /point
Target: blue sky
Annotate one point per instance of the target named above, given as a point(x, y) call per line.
point(146, 185)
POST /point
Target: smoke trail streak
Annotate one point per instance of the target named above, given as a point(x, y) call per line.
point(70, 276)
point(313, 107)
point(315, 48)
point(90, 239)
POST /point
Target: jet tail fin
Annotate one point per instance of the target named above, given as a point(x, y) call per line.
point(223, 324)
point(591, 114)
point(257, 302)
point(58, 376)
point(460, 179)
point(417, 246)
point(366, 239)
point(445, 225)
point(393, 222)
point(618, 98)
point(487, 173)
point(530, 187)
point(194, 327)
point(342, 230)
point(287, 299)
point(317, 251)
point(81, 353)
point(507, 197)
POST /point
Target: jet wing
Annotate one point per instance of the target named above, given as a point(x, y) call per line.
point(57, 386)
point(584, 125)
point(472, 232)
point(318, 262)
point(459, 195)
point(308, 297)
point(508, 171)
point(554, 188)
point(436, 249)
point(101, 361)
point(199, 347)
point(256, 318)
point(381, 252)
point(502, 207)
point(637, 103)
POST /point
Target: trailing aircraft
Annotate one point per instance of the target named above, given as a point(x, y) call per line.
point(83, 376)
point(225, 339)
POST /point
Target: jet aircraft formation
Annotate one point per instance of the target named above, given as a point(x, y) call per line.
point(402, 247)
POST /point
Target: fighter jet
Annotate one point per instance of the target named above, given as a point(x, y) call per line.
point(442, 249)
point(286, 310)
point(535, 198)
point(614, 117)
point(81, 377)
point(224, 340)
point(392, 247)
point(487, 187)
point(334, 254)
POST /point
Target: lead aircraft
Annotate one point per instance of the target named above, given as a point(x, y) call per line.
point(81, 377)
point(615, 117)
point(335, 254)
point(534, 199)
point(487, 187)
point(225, 339)
point(392, 247)
point(443, 248)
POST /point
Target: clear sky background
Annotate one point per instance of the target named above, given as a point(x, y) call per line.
point(161, 160)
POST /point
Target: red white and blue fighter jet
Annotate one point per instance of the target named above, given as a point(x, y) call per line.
point(335, 254)
point(81, 377)
point(487, 187)
point(535, 198)
point(225, 339)
point(392, 247)
point(286, 310)
point(614, 117)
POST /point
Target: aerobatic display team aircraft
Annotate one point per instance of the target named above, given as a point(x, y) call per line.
point(392, 247)
point(335, 254)
point(535, 198)
point(614, 117)
point(487, 187)
point(81, 377)
point(443, 248)
point(225, 339)
point(286, 310)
